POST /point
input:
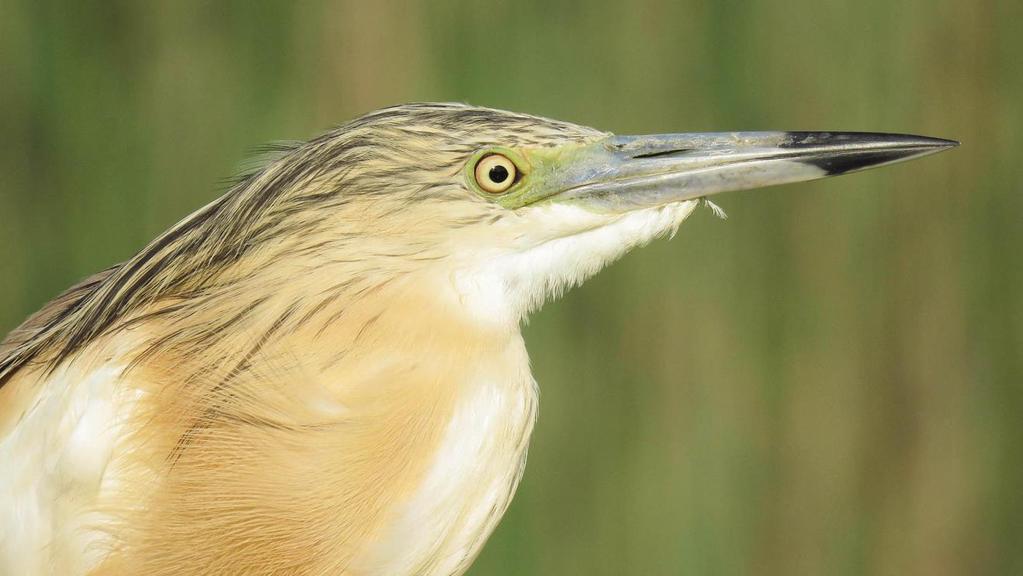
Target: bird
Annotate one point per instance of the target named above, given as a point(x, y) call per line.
point(322, 371)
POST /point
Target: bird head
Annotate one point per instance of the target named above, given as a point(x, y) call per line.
point(498, 211)
point(512, 208)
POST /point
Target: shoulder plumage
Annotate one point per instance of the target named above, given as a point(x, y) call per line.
point(32, 337)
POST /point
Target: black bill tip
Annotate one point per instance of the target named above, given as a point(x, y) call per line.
point(842, 152)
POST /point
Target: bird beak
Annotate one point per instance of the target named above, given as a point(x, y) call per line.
point(622, 173)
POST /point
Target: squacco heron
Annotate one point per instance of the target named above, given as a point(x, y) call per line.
point(322, 371)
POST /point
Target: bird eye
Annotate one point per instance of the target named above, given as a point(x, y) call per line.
point(495, 173)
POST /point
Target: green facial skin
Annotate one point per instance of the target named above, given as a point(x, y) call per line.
point(542, 172)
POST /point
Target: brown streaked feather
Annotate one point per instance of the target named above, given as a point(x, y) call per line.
point(319, 186)
point(285, 361)
point(49, 315)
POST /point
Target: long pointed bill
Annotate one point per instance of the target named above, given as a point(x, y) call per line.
point(623, 173)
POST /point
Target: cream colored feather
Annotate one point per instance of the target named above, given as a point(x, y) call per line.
point(320, 373)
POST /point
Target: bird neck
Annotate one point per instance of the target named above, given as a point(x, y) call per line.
point(371, 398)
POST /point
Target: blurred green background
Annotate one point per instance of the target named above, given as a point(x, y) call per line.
point(830, 382)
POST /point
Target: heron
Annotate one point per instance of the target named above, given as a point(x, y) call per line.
point(322, 371)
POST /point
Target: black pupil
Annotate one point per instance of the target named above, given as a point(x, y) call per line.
point(498, 174)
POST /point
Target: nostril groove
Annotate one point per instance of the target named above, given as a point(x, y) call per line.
point(671, 152)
